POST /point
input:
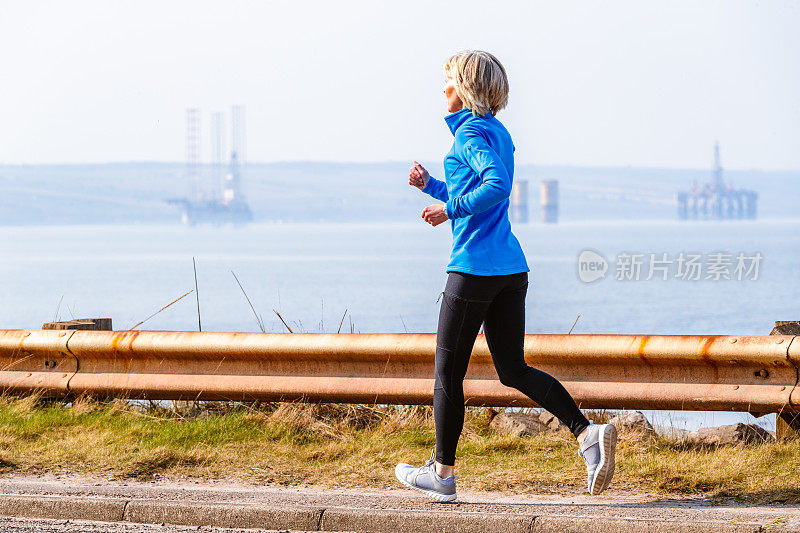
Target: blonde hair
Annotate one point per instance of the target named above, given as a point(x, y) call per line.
point(480, 81)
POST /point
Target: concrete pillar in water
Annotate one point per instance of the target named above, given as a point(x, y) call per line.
point(752, 200)
point(549, 201)
point(519, 202)
point(683, 206)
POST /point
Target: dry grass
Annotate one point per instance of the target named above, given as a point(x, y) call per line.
point(358, 446)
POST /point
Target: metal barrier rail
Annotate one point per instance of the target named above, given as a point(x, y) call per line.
point(758, 374)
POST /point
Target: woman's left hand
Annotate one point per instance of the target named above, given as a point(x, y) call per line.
point(434, 214)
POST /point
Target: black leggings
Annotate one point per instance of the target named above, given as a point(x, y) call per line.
point(499, 303)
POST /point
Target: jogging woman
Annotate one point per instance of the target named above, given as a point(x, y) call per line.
point(487, 279)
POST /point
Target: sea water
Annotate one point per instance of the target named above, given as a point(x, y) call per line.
point(386, 277)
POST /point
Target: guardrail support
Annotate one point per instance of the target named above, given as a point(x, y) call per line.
point(787, 424)
point(93, 324)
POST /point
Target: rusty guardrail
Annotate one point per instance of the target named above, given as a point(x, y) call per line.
point(758, 374)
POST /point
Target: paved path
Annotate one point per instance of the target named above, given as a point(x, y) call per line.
point(47, 525)
point(313, 508)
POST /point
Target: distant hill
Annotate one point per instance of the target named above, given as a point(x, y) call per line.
point(122, 193)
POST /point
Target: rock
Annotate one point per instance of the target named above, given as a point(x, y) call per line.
point(786, 327)
point(631, 421)
point(671, 433)
point(518, 424)
point(730, 434)
point(549, 420)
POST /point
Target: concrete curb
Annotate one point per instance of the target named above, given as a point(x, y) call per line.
point(587, 524)
point(222, 515)
point(99, 509)
point(191, 513)
point(392, 520)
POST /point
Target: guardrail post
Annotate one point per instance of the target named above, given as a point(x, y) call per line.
point(94, 324)
point(787, 424)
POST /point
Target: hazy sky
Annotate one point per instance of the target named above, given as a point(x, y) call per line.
point(592, 83)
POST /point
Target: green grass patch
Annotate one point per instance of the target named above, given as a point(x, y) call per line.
point(358, 446)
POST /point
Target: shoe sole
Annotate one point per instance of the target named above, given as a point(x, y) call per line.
point(608, 448)
point(435, 495)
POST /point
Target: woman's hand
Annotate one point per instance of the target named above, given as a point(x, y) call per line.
point(434, 214)
point(418, 177)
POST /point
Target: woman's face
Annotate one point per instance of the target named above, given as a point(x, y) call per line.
point(454, 103)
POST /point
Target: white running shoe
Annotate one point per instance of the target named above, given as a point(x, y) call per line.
point(598, 449)
point(425, 480)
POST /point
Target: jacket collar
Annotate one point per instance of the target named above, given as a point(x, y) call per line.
point(454, 120)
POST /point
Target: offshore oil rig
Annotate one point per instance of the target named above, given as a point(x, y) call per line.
point(716, 201)
point(217, 198)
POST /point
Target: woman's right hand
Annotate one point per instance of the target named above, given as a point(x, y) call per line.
point(418, 177)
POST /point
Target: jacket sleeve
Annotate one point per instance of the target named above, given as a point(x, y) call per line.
point(437, 189)
point(495, 183)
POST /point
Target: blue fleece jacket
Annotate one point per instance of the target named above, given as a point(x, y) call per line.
point(479, 170)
